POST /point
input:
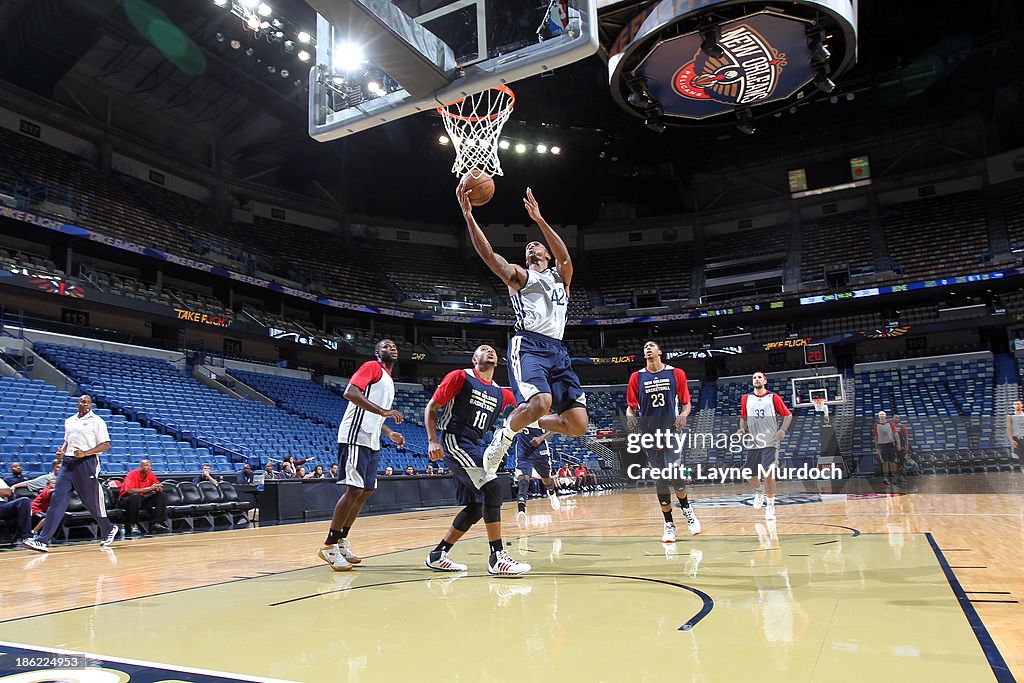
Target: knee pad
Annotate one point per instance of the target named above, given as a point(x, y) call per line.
point(467, 517)
point(492, 502)
point(664, 494)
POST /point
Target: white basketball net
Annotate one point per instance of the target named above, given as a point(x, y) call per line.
point(474, 126)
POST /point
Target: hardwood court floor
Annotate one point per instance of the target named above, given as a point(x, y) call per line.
point(918, 585)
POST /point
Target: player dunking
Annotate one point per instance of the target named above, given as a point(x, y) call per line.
point(533, 455)
point(472, 403)
point(658, 399)
point(540, 371)
point(759, 417)
point(370, 394)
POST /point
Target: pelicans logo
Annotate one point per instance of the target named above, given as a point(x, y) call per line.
point(747, 73)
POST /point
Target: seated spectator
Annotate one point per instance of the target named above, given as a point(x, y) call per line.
point(409, 471)
point(317, 473)
point(40, 504)
point(430, 471)
point(583, 478)
point(16, 476)
point(245, 477)
point(16, 512)
point(141, 489)
point(389, 471)
point(39, 483)
point(268, 472)
point(205, 476)
point(441, 470)
point(334, 471)
point(565, 477)
point(300, 472)
point(287, 470)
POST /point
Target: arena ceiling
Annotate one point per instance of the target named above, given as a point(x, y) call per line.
point(165, 71)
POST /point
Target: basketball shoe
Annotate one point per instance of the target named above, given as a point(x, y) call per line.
point(332, 555)
point(503, 564)
point(347, 552)
point(111, 535)
point(440, 560)
point(759, 497)
point(497, 449)
point(692, 523)
point(553, 499)
point(670, 533)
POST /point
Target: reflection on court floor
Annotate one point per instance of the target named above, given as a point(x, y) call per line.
point(778, 606)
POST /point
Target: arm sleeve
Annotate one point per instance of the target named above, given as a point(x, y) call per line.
point(449, 387)
point(508, 399)
point(780, 406)
point(633, 391)
point(102, 435)
point(368, 373)
point(682, 389)
point(743, 405)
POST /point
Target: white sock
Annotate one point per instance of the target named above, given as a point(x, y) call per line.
point(771, 502)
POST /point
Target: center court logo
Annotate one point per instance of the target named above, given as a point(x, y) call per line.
point(748, 71)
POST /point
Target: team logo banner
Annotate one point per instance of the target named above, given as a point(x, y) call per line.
point(765, 59)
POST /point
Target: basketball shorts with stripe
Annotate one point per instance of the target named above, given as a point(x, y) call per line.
point(541, 365)
point(464, 458)
point(357, 466)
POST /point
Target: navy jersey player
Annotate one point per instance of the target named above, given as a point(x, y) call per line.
point(658, 400)
point(462, 410)
point(370, 394)
point(85, 437)
point(540, 372)
point(533, 458)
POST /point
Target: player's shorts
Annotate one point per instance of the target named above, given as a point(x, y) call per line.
point(765, 457)
point(357, 466)
point(660, 459)
point(541, 365)
point(530, 460)
point(888, 452)
point(463, 456)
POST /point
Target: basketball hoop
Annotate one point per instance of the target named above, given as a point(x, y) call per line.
point(474, 125)
point(820, 405)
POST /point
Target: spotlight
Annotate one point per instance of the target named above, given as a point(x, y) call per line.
point(303, 56)
point(824, 83)
point(556, 150)
point(820, 52)
point(303, 37)
point(220, 37)
point(249, 4)
point(443, 140)
point(337, 80)
point(850, 96)
point(288, 46)
point(264, 10)
point(220, 3)
point(542, 149)
point(297, 83)
point(834, 99)
point(504, 144)
point(235, 44)
point(271, 70)
point(285, 73)
point(711, 41)
point(640, 98)
point(249, 52)
point(278, 36)
point(253, 23)
point(348, 57)
point(520, 147)
point(264, 25)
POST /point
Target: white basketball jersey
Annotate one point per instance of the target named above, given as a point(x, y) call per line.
point(363, 428)
point(1018, 424)
point(762, 418)
point(541, 304)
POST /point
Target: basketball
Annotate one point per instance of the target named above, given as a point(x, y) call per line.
point(480, 186)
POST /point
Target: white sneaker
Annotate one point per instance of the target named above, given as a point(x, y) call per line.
point(692, 523)
point(332, 555)
point(670, 533)
point(347, 552)
point(521, 519)
point(33, 544)
point(759, 498)
point(111, 535)
point(769, 513)
point(553, 499)
point(503, 564)
point(441, 561)
point(496, 450)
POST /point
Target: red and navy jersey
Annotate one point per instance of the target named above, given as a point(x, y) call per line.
point(658, 397)
point(471, 405)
